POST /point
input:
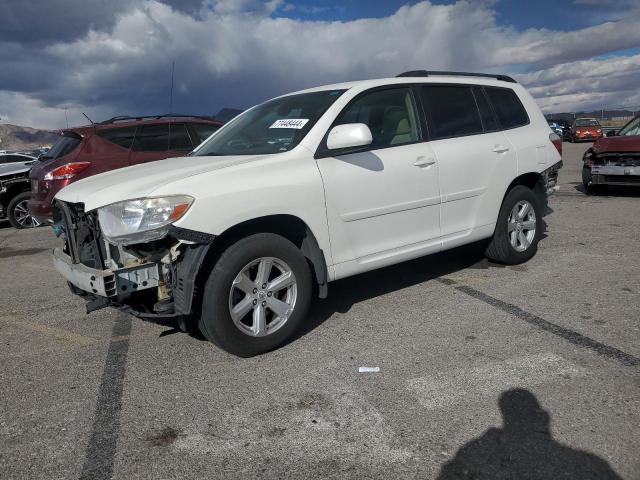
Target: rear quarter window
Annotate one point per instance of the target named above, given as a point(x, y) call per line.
point(508, 107)
point(66, 144)
point(122, 137)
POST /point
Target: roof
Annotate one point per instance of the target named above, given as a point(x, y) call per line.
point(421, 77)
point(126, 121)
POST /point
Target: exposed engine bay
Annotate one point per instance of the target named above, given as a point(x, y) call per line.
point(149, 280)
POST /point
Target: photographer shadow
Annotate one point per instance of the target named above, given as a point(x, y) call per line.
point(523, 449)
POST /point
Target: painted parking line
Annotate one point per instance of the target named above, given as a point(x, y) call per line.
point(463, 385)
point(54, 332)
point(571, 336)
point(101, 450)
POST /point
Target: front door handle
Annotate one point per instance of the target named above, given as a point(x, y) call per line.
point(500, 148)
point(424, 162)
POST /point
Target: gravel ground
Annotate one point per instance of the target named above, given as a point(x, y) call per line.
point(529, 371)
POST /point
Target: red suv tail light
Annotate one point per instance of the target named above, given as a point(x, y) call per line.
point(557, 142)
point(68, 170)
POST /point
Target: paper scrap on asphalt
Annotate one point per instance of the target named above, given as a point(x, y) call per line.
point(369, 369)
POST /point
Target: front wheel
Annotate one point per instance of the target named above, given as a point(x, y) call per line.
point(18, 212)
point(256, 296)
point(587, 182)
point(518, 229)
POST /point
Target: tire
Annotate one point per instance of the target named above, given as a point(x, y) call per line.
point(500, 248)
point(16, 212)
point(590, 188)
point(222, 292)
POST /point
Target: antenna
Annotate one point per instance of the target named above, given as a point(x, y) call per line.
point(65, 116)
point(87, 117)
point(173, 67)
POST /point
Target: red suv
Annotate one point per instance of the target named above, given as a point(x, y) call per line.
point(119, 142)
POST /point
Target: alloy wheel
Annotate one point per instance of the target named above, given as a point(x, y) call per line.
point(262, 296)
point(23, 217)
point(522, 226)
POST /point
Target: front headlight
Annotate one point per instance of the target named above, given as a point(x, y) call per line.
point(141, 220)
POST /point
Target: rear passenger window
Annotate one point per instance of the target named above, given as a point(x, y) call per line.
point(486, 114)
point(120, 136)
point(508, 108)
point(152, 138)
point(179, 139)
point(451, 111)
point(389, 114)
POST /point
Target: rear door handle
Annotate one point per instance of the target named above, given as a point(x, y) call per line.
point(424, 162)
point(500, 149)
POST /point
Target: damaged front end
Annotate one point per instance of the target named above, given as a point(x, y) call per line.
point(154, 280)
point(613, 168)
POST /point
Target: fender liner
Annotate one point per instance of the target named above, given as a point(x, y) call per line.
point(312, 251)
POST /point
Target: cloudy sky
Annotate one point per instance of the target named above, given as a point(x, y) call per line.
point(114, 57)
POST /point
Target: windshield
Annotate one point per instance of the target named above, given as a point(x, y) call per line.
point(272, 127)
point(586, 122)
point(632, 128)
point(65, 145)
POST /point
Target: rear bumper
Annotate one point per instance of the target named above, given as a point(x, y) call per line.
point(40, 210)
point(42, 194)
point(615, 175)
point(106, 283)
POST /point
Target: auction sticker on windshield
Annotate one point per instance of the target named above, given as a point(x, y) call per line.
point(296, 123)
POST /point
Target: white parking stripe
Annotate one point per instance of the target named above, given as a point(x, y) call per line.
point(462, 385)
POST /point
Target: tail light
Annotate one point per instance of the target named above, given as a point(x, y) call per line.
point(68, 170)
point(557, 142)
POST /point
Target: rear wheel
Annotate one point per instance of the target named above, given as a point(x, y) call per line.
point(18, 212)
point(518, 229)
point(256, 296)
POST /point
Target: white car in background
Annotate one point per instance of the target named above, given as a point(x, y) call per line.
point(306, 189)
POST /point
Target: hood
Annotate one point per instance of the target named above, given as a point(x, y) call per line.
point(142, 180)
point(14, 168)
point(623, 144)
point(590, 127)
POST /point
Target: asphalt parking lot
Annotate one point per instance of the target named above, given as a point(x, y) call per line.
point(532, 370)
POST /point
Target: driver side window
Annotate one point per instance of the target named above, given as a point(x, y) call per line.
point(389, 114)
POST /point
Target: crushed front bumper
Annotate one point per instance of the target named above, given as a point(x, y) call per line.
point(153, 280)
point(106, 283)
point(615, 175)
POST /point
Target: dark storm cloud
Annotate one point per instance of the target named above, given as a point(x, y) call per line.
point(47, 21)
point(61, 20)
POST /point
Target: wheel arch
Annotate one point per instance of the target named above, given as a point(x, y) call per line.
point(533, 180)
point(291, 227)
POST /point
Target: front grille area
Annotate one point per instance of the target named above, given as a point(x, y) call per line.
point(83, 240)
point(618, 159)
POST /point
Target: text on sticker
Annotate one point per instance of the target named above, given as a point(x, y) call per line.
point(296, 123)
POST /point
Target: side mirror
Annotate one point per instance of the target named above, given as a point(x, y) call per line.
point(349, 135)
point(612, 133)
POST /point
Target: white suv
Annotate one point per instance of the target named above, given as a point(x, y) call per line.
point(305, 189)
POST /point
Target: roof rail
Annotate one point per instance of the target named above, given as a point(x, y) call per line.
point(124, 118)
point(428, 73)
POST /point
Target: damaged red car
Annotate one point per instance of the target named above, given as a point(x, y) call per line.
point(614, 160)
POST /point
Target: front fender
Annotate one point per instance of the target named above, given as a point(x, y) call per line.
point(281, 184)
